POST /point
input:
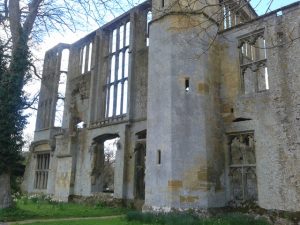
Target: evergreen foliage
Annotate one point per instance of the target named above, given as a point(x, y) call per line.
point(12, 101)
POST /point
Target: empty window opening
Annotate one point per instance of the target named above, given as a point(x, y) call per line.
point(242, 167)
point(83, 60)
point(233, 14)
point(158, 157)
point(225, 17)
point(229, 19)
point(121, 36)
point(64, 60)
point(126, 63)
point(241, 119)
point(42, 170)
point(187, 85)
point(80, 125)
point(104, 151)
point(162, 3)
point(139, 179)
point(60, 103)
point(149, 18)
point(110, 149)
point(117, 82)
point(254, 71)
point(114, 41)
point(86, 58)
point(127, 37)
point(279, 13)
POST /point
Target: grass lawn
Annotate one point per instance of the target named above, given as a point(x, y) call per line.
point(226, 220)
point(115, 221)
point(41, 208)
point(190, 219)
point(33, 210)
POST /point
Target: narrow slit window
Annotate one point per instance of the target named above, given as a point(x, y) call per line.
point(162, 3)
point(158, 157)
point(149, 18)
point(187, 85)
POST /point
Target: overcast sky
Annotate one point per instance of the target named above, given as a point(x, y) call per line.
point(260, 6)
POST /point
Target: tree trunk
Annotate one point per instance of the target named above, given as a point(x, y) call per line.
point(5, 192)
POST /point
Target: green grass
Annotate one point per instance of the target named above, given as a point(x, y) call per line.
point(115, 221)
point(43, 208)
point(190, 219)
point(33, 210)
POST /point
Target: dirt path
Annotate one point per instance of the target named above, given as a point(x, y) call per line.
point(61, 219)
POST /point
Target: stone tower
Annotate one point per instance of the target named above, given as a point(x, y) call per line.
point(183, 138)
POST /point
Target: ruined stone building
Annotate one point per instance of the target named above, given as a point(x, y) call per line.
point(202, 105)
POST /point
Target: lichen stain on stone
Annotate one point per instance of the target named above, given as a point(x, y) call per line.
point(203, 88)
point(195, 178)
point(63, 180)
point(174, 184)
point(188, 199)
point(42, 147)
point(181, 23)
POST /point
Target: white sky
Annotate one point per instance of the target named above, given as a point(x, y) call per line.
point(70, 37)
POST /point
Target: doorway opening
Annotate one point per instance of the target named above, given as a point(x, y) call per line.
point(103, 150)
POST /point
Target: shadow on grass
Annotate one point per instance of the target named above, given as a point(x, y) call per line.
point(15, 213)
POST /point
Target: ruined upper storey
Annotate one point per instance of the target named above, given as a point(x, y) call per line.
point(99, 80)
point(224, 13)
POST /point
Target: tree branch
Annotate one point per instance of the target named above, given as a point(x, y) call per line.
point(33, 11)
point(14, 20)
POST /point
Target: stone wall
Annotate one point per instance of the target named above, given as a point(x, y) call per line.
point(214, 112)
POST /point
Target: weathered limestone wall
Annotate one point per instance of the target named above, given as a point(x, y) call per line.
point(185, 114)
point(84, 121)
point(274, 113)
point(182, 121)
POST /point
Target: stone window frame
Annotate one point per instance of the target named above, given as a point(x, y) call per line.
point(86, 54)
point(115, 80)
point(42, 170)
point(251, 39)
point(243, 168)
point(232, 14)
